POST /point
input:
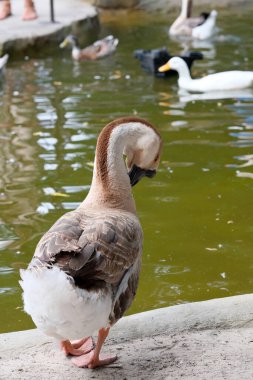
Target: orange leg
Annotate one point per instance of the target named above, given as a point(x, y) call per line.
point(77, 347)
point(93, 359)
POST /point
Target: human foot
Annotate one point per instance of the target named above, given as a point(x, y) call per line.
point(29, 11)
point(5, 10)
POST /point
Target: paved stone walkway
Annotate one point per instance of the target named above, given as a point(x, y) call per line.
point(196, 341)
point(70, 15)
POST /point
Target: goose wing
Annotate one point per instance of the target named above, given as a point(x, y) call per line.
point(126, 291)
point(92, 249)
point(192, 22)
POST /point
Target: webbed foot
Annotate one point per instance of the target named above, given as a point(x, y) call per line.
point(77, 347)
point(91, 360)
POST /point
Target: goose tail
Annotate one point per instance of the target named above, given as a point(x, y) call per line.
point(61, 309)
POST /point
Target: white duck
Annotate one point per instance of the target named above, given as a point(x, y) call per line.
point(201, 27)
point(85, 270)
point(3, 62)
point(223, 81)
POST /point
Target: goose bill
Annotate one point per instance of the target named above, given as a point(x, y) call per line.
point(137, 173)
point(163, 68)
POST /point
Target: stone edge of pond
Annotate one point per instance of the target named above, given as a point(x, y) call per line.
point(222, 313)
point(22, 36)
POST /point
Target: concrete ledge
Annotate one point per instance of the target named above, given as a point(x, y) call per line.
point(202, 340)
point(72, 16)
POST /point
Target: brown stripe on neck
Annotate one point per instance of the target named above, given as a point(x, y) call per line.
point(103, 144)
point(189, 9)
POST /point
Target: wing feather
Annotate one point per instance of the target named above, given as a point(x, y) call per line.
point(96, 250)
point(91, 247)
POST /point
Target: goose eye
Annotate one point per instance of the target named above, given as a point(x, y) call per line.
point(156, 158)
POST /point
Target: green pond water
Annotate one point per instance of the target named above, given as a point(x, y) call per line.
point(196, 213)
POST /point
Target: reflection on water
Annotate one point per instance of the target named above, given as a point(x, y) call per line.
point(238, 95)
point(195, 213)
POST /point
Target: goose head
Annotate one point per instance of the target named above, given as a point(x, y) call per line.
point(127, 150)
point(143, 154)
point(177, 64)
point(69, 40)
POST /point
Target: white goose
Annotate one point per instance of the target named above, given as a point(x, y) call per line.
point(223, 81)
point(85, 270)
point(201, 27)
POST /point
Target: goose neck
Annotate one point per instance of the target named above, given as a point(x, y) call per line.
point(110, 182)
point(186, 9)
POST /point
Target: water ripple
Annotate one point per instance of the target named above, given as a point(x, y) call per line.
point(5, 270)
point(48, 143)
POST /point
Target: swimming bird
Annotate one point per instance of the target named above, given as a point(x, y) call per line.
point(3, 62)
point(84, 272)
point(223, 81)
point(151, 60)
point(98, 49)
point(207, 29)
point(185, 25)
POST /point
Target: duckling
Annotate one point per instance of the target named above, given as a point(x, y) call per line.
point(85, 270)
point(98, 49)
point(185, 25)
point(223, 81)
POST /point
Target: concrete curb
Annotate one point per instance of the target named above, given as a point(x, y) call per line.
point(222, 313)
point(210, 330)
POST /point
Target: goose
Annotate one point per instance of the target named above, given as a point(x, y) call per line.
point(84, 272)
point(98, 49)
point(3, 62)
point(223, 81)
point(185, 25)
point(207, 29)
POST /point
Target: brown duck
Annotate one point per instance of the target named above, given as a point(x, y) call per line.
point(85, 270)
point(98, 49)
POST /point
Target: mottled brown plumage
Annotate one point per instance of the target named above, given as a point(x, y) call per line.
point(98, 49)
point(95, 249)
point(85, 270)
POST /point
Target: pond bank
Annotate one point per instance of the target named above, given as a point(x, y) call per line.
point(80, 17)
point(203, 340)
point(165, 5)
point(70, 17)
